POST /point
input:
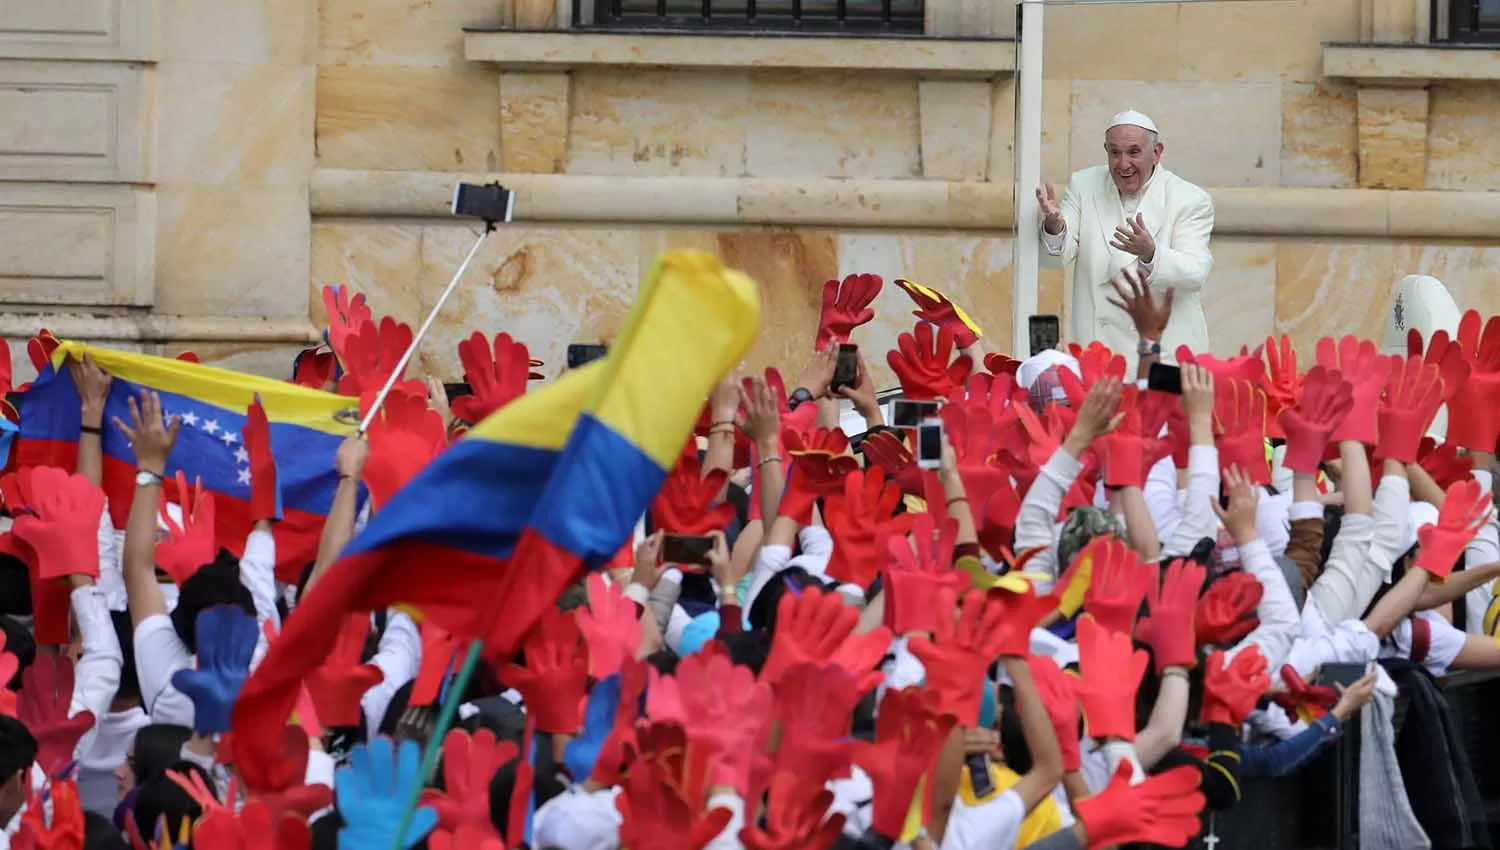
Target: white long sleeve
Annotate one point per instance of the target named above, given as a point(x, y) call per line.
point(1161, 498)
point(1036, 521)
point(159, 653)
point(1279, 620)
point(1483, 549)
point(258, 575)
point(399, 656)
point(96, 676)
point(111, 581)
point(1198, 518)
point(1392, 516)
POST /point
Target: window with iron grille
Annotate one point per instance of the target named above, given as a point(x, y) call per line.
point(1466, 20)
point(820, 16)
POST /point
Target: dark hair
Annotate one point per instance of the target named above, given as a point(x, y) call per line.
point(763, 609)
point(665, 661)
point(164, 798)
point(216, 583)
point(157, 747)
point(17, 748)
point(15, 587)
point(130, 684)
point(749, 649)
point(575, 596)
point(18, 642)
point(99, 833)
point(1333, 520)
point(1012, 735)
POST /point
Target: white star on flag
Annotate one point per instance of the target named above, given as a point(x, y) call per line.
point(241, 456)
point(211, 426)
point(244, 475)
point(190, 418)
point(229, 438)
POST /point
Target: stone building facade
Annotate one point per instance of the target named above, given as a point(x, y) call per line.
point(181, 174)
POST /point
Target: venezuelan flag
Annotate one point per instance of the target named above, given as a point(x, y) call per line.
point(491, 533)
point(306, 428)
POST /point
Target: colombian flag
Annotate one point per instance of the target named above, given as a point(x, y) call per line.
point(485, 538)
point(306, 428)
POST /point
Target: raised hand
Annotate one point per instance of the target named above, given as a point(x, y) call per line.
point(265, 489)
point(846, 307)
point(655, 813)
point(689, 500)
point(1474, 413)
point(1465, 510)
point(1133, 237)
point(371, 353)
point(935, 307)
point(226, 642)
point(814, 702)
point(46, 694)
point(909, 733)
point(1230, 690)
point(1240, 416)
point(1169, 628)
point(1282, 382)
point(1135, 298)
point(53, 819)
point(276, 779)
point(149, 433)
point(340, 681)
point(497, 375)
point(925, 365)
point(347, 311)
point(1226, 612)
point(611, 627)
point(814, 627)
point(725, 707)
point(62, 523)
point(914, 579)
point(795, 820)
point(1112, 672)
point(1060, 698)
point(861, 520)
point(820, 462)
point(886, 450)
point(373, 792)
point(183, 548)
point(1363, 367)
point(404, 437)
point(1442, 462)
point(1119, 582)
point(1309, 423)
point(469, 763)
point(957, 657)
point(1413, 394)
point(554, 681)
point(1163, 810)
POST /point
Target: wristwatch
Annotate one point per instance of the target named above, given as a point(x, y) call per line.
point(146, 478)
point(799, 397)
point(1148, 347)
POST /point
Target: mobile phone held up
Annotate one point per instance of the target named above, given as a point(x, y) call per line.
point(686, 549)
point(906, 413)
point(582, 355)
point(491, 203)
point(846, 371)
point(930, 443)
point(1045, 332)
point(1340, 674)
point(1164, 379)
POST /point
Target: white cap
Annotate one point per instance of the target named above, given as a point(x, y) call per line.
point(1131, 118)
point(1032, 367)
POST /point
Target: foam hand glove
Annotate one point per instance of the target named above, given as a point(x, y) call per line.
point(909, 733)
point(1169, 628)
point(726, 708)
point(1163, 810)
point(463, 838)
point(802, 420)
point(957, 659)
point(39, 350)
point(265, 487)
point(1161, 413)
point(347, 312)
point(820, 462)
point(914, 579)
point(1301, 700)
point(922, 364)
point(657, 815)
point(9, 664)
point(1001, 364)
point(1474, 413)
point(795, 818)
point(860, 521)
point(257, 827)
point(689, 500)
point(1413, 394)
point(1231, 690)
point(404, 437)
point(1128, 452)
point(971, 429)
point(182, 549)
point(1442, 462)
point(1118, 585)
point(1246, 367)
point(814, 703)
point(555, 679)
point(613, 755)
point(371, 353)
point(1308, 424)
point(1363, 367)
point(341, 681)
point(934, 307)
point(1240, 429)
point(1446, 355)
point(372, 793)
point(1226, 612)
point(1282, 382)
point(846, 307)
point(226, 642)
point(611, 626)
point(46, 694)
point(314, 368)
point(276, 779)
point(53, 819)
point(1112, 673)
point(62, 527)
point(497, 375)
point(1055, 688)
point(888, 451)
point(469, 763)
point(816, 627)
point(582, 752)
point(1096, 361)
point(1465, 510)
point(1045, 435)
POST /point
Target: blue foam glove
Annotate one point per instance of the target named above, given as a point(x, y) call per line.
point(226, 641)
point(580, 753)
point(372, 793)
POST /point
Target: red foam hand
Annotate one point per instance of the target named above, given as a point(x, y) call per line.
point(1443, 463)
point(861, 520)
point(404, 437)
point(1095, 362)
point(257, 827)
point(339, 682)
point(1230, 690)
point(689, 500)
point(656, 813)
point(909, 733)
point(39, 350)
point(9, 664)
point(183, 548)
point(814, 627)
point(1129, 450)
point(463, 838)
point(1162, 418)
point(1169, 628)
point(937, 308)
point(1240, 428)
point(1112, 672)
point(914, 579)
point(314, 368)
point(1163, 810)
point(1363, 367)
point(802, 420)
point(1059, 697)
point(1301, 700)
point(1413, 394)
point(555, 680)
point(795, 817)
point(347, 312)
point(1226, 612)
point(469, 763)
point(277, 778)
point(971, 429)
point(46, 694)
point(370, 356)
point(1246, 367)
point(888, 451)
point(820, 462)
point(725, 708)
point(615, 755)
point(960, 652)
point(62, 524)
point(438, 648)
point(611, 625)
point(1045, 435)
point(1325, 401)
point(497, 374)
point(1282, 382)
point(814, 703)
point(52, 821)
point(1446, 355)
point(924, 363)
point(1465, 510)
point(846, 307)
point(1118, 583)
point(1002, 364)
point(265, 493)
point(1474, 413)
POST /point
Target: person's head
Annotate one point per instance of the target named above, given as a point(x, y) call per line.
point(100, 834)
point(18, 642)
point(15, 587)
point(162, 800)
point(128, 692)
point(216, 583)
point(1082, 526)
point(17, 752)
point(1134, 149)
point(149, 754)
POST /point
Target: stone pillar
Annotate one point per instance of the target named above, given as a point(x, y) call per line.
point(1392, 138)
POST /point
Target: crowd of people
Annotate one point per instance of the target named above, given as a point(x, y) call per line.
point(1106, 606)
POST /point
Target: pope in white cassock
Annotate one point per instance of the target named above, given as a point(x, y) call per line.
point(1131, 211)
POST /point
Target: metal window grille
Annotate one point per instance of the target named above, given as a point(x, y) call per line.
point(902, 16)
point(1466, 21)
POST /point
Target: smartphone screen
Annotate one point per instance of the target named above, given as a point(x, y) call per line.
point(686, 548)
point(458, 390)
point(930, 443)
point(1046, 333)
point(979, 775)
point(906, 413)
point(1340, 674)
point(1164, 379)
point(582, 355)
point(492, 202)
point(846, 372)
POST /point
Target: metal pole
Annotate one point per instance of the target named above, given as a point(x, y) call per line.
point(1027, 251)
point(422, 331)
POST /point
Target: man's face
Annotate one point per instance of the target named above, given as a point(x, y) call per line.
point(1132, 157)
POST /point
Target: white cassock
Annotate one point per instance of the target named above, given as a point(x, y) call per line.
point(1180, 217)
